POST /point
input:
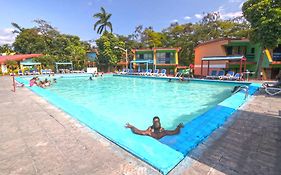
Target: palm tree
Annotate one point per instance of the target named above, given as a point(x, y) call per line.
point(18, 28)
point(103, 21)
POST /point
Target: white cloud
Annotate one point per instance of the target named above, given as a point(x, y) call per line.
point(174, 21)
point(240, 6)
point(199, 16)
point(225, 15)
point(187, 17)
point(231, 14)
point(7, 36)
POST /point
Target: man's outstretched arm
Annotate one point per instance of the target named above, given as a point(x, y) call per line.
point(173, 132)
point(136, 130)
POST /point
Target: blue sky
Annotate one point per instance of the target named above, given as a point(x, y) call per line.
point(75, 16)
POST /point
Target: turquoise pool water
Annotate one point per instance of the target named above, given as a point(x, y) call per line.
point(137, 101)
point(106, 103)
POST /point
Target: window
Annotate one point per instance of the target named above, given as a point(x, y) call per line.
point(147, 56)
point(253, 50)
point(229, 50)
point(277, 53)
point(140, 56)
point(168, 55)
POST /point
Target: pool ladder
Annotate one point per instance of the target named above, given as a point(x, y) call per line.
point(244, 88)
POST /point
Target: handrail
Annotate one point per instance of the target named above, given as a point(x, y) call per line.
point(243, 87)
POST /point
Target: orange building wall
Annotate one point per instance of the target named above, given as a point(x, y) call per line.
point(206, 50)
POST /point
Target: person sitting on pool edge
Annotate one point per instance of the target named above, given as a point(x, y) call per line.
point(155, 131)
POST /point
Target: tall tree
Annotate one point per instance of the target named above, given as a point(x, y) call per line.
point(29, 41)
point(46, 40)
point(108, 54)
point(102, 21)
point(265, 19)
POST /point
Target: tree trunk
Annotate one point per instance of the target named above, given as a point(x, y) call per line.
point(259, 68)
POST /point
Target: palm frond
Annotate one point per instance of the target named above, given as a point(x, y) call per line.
point(18, 28)
point(108, 16)
point(109, 24)
point(103, 10)
point(98, 15)
point(97, 23)
point(100, 29)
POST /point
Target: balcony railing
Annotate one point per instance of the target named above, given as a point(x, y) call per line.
point(165, 61)
point(276, 57)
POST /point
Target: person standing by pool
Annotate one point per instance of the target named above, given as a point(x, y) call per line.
point(155, 131)
point(32, 82)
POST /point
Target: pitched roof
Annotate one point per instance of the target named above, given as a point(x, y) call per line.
point(19, 57)
point(223, 39)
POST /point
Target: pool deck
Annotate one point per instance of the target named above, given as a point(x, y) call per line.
point(38, 138)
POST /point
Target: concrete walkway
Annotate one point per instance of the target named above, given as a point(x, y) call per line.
point(249, 143)
point(38, 138)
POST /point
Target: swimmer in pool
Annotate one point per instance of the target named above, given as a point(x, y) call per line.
point(155, 131)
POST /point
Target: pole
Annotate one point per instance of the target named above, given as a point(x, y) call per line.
point(126, 50)
point(208, 68)
point(201, 69)
point(14, 83)
point(244, 65)
point(240, 69)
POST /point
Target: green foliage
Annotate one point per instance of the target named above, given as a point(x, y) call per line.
point(108, 55)
point(47, 61)
point(29, 41)
point(11, 64)
point(102, 21)
point(6, 49)
point(265, 19)
point(55, 47)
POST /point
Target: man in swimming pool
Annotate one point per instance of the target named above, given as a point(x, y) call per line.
point(155, 131)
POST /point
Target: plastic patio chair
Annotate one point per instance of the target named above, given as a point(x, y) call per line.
point(163, 73)
point(148, 72)
point(20, 72)
point(155, 73)
point(237, 76)
point(220, 74)
point(213, 74)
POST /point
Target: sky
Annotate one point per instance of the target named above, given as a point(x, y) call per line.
point(75, 17)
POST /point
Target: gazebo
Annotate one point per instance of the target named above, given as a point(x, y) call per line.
point(63, 63)
point(141, 61)
point(29, 62)
point(241, 60)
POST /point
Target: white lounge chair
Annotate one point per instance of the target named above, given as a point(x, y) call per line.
point(124, 71)
point(155, 73)
point(273, 90)
point(228, 76)
point(163, 73)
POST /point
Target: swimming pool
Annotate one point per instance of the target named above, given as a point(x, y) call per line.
point(105, 104)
